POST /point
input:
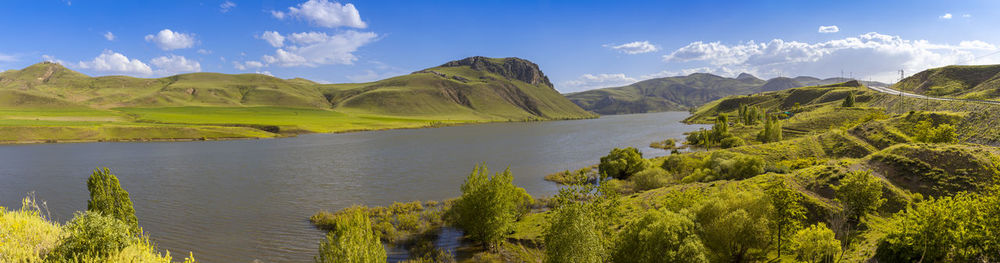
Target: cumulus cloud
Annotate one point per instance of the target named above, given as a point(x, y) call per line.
point(109, 36)
point(966, 16)
point(945, 16)
point(317, 48)
point(592, 81)
point(829, 29)
point(325, 14)
point(169, 40)
point(226, 6)
point(637, 47)
point(174, 64)
point(113, 62)
point(872, 55)
point(204, 52)
point(273, 38)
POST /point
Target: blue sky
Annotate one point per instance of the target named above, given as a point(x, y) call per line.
point(579, 44)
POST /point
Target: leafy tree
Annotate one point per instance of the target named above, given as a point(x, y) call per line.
point(660, 236)
point(622, 163)
point(92, 235)
point(927, 132)
point(730, 142)
point(734, 226)
point(815, 244)
point(749, 115)
point(849, 100)
point(489, 206)
point(959, 228)
point(573, 236)
point(772, 130)
point(721, 127)
point(651, 178)
point(860, 193)
point(352, 240)
point(788, 212)
point(108, 198)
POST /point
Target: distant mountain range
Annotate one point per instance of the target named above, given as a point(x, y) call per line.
point(685, 92)
point(474, 88)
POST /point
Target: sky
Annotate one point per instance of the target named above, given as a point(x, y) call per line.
point(580, 45)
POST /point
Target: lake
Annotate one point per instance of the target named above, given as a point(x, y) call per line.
point(247, 200)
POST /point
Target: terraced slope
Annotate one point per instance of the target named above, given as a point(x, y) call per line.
point(965, 82)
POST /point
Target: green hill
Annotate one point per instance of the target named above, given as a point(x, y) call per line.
point(965, 82)
point(683, 92)
point(48, 102)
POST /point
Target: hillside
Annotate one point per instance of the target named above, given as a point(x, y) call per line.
point(964, 82)
point(48, 102)
point(683, 92)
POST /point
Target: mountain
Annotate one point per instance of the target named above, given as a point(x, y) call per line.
point(47, 102)
point(965, 82)
point(685, 92)
point(477, 88)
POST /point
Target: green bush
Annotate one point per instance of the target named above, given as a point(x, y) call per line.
point(815, 244)
point(92, 235)
point(651, 178)
point(572, 236)
point(489, 206)
point(960, 228)
point(352, 240)
point(848, 101)
point(730, 142)
point(108, 198)
point(943, 133)
point(660, 236)
point(861, 194)
point(622, 163)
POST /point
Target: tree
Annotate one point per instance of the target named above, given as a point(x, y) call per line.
point(927, 132)
point(860, 193)
point(734, 225)
point(352, 240)
point(573, 236)
point(92, 235)
point(489, 206)
point(815, 244)
point(660, 236)
point(788, 212)
point(108, 198)
point(772, 130)
point(622, 163)
point(849, 100)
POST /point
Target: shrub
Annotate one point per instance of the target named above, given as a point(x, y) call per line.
point(943, 133)
point(860, 193)
point(960, 228)
point(734, 166)
point(25, 236)
point(651, 178)
point(848, 101)
point(622, 163)
point(730, 142)
point(93, 235)
point(572, 236)
point(108, 198)
point(352, 240)
point(489, 206)
point(815, 244)
point(660, 236)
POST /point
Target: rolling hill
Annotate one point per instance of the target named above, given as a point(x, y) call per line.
point(48, 102)
point(963, 82)
point(684, 92)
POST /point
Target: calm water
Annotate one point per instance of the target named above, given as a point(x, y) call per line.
point(246, 200)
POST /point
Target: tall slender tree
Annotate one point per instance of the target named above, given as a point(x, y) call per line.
point(108, 198)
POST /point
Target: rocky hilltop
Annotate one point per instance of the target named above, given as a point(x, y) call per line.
point(512, 68)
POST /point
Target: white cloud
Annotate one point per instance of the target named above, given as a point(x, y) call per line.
point(169, 40)
point(112, 62)
point(265, 73)
point(204, 52)
point(946, 16)
point(966, 16)
point(316, 48)
point(226, 6)
point(109, 36)
point(591, 81)
point(637, 47)
point(325, 14)
point(869, 55)
point(7, 58)
point(829, 29)
point(273, 38)
point(247, 64)
point(174, 64)
point(48, 58)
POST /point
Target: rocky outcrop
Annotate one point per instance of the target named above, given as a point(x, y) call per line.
point(512, 68)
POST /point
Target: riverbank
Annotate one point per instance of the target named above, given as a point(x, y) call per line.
point(32, 126)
